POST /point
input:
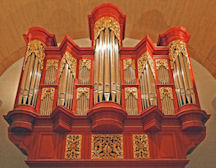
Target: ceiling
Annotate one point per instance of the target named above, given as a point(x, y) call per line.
point(69, 17)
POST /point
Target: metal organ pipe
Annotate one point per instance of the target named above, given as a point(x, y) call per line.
point(107, 68)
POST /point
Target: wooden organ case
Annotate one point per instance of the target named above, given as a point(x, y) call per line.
point(107, 105)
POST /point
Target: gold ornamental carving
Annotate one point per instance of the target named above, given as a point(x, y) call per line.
point(73, 147)
point(106, 22)
point(48, 92)
point(52, 63)
point(161, 62)
point(141, 146)
point(130, 90)
point(81, 91)
point(177, 48)
point(71, 61)
point(37, 48)
point(166, 92)
point(85, 63)
point(129, 62)
point(143, 60)
point(107, 146)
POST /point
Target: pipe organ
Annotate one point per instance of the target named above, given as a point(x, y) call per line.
point(107, 105)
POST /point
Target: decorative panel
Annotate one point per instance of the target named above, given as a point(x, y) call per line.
point(141, 146)
point(108, 146)
point(163, 72)
point(84, 71)
point(82, 100)
point(166, 96)
point(129, 71)
point(47, 101)
point(73, 146)
point(51, 69)
point(131, 100)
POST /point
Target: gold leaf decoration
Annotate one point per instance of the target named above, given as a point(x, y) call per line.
point(161, 62)
point(81, 91)
point(106, 22)
point(48, 92)
point(73, 146)
point(130, 90)
point(129, 62)
point(177, 47)
point(141, 146)
point(52, 62)
point(71, 61)
point(108, 146)
point(85, 63)
point(166, 91)
point(143, 60)
point(37, 48)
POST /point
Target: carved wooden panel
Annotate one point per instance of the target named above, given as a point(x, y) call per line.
point(107, 146)
point(73, 146)
point(141, 146)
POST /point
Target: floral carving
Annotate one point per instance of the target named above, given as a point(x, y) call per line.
point(107, 146)
point(73, 146)
point(52, 63)
point(106, 22)
point(36, 47)
point(140, 146)
point(71, 61)
point(48, 92)
point(85, 63)
point(177, 48)
point(129, 62)
point(143, 60)
point(161, 62)
point(81, 91)
point(166, 92)
point(130, 90)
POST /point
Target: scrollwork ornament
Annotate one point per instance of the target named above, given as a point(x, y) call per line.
point(85, 63)
point(81, 91)
point(106, 22)
point(143, 60)
point(52, 63)
point(73, 147)
point(161, 62)
point(141, 146)
point(129, 62)
point(177, 47)
point(130, 90)
point(48, 92)
point(36, 47)
point(166, 92)
point(71, 61)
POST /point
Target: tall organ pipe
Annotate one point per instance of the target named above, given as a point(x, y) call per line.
point(107, 68)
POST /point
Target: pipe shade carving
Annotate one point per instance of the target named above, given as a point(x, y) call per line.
point(66, 81)
point(51, 69)
point(129, 71)
point(47, 101)
point(131, 100)
point(84, 71)
point(82, 101)
point(163, 71)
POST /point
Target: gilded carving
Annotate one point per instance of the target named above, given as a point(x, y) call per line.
point(71, 61)
point(129, 62)
point(106, 22)
point(176, 48)
point(161, 62)
point(108, 146)
point(48, 92)
point(141, 146)
point(81, 91)
point(52, 63)
point(85, 63)
point(130, 90)
point(166, 92)
point(73, 146)
point(36, 47)
point(142, 61)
